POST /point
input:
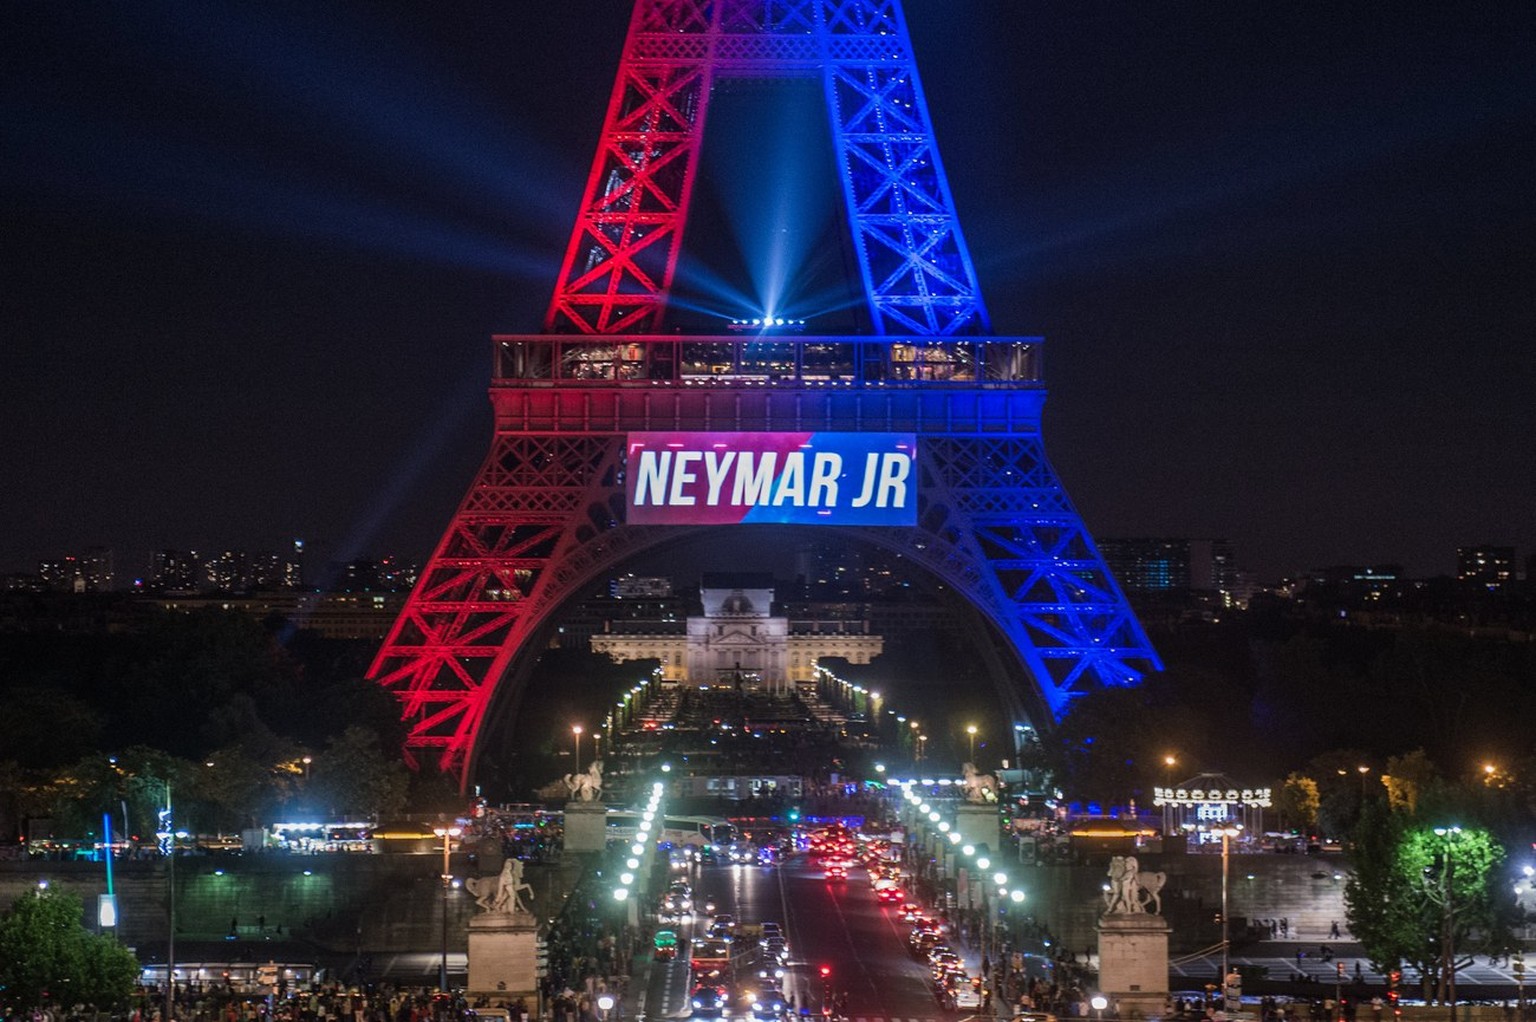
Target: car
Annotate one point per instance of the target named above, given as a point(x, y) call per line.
point(964, 998)
point(490, 1014)
point(777, 949)
point(709, 1001)
point(911, 911)
point(889, 895)
point(666, 945)
point(675, 906)
point(766, 1000)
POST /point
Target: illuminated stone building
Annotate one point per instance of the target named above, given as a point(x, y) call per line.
point(738, 640)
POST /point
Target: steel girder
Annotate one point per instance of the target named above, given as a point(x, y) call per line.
point(619, 266)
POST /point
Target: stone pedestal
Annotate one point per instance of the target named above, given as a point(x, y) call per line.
point(1133, 963)
point(979, 825)
point(502, 953)
point(586, 826)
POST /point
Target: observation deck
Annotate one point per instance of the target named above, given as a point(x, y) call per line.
point(765, 360)
point(584, 384)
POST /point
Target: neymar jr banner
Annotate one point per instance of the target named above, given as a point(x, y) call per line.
point(799, 478)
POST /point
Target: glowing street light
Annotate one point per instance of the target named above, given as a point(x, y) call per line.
point(970, 732)
point(1169, 762)
point(1227, 834)
point(447, 834)
point(576, 730)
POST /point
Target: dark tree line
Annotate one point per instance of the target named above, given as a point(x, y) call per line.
point(1256, 697)
point(216, 705)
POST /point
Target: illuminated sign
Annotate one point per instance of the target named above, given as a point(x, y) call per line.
point(800, 478)
point(1197, 797)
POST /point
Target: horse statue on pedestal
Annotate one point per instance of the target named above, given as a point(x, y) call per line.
point(588, 786)
point(980, 788)
point(1130, 891)
point(499, 895)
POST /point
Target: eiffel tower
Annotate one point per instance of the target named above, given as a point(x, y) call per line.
point(549, 513)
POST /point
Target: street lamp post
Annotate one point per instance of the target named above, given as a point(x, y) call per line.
point(1363, 771)
point(970, 732)
point(1227, 833)
point(1448, 917)
point(1169, 761)
point(169, 823)
point(922, 744)
point(576, 731)
point(447, 834)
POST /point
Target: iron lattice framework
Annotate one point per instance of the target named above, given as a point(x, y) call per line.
point(918, 278)
point(544, 517)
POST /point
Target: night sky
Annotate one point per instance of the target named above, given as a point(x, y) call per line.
point(1284, 256)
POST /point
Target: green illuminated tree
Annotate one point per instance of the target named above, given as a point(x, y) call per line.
point(1423, 895)
point(45, 954)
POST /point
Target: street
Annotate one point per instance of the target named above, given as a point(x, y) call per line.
point(836, 924)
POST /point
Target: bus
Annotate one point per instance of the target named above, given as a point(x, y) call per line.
point(698, 831)
point(709, 960)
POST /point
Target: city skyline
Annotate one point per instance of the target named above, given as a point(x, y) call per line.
point(1281, 264)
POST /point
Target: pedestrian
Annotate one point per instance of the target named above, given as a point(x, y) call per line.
point(1333, 931)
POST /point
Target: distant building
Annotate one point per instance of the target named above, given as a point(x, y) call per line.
point(225, 572)
point(176, 570)
point(90, 572)
point(331, 615)
point(1172, 567)
point(1488, 568)
point(639, 587)
point(22, 582)
point(387, 575)
point(738, 640)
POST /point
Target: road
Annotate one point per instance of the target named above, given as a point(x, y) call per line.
point(1284, 965)
point(837, 924)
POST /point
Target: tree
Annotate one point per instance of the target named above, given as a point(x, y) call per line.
point(354, 776)
point(1405, 779)
point(1297, 802)
point(1423, 895)
point(1339, 789)
point(45, 954)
